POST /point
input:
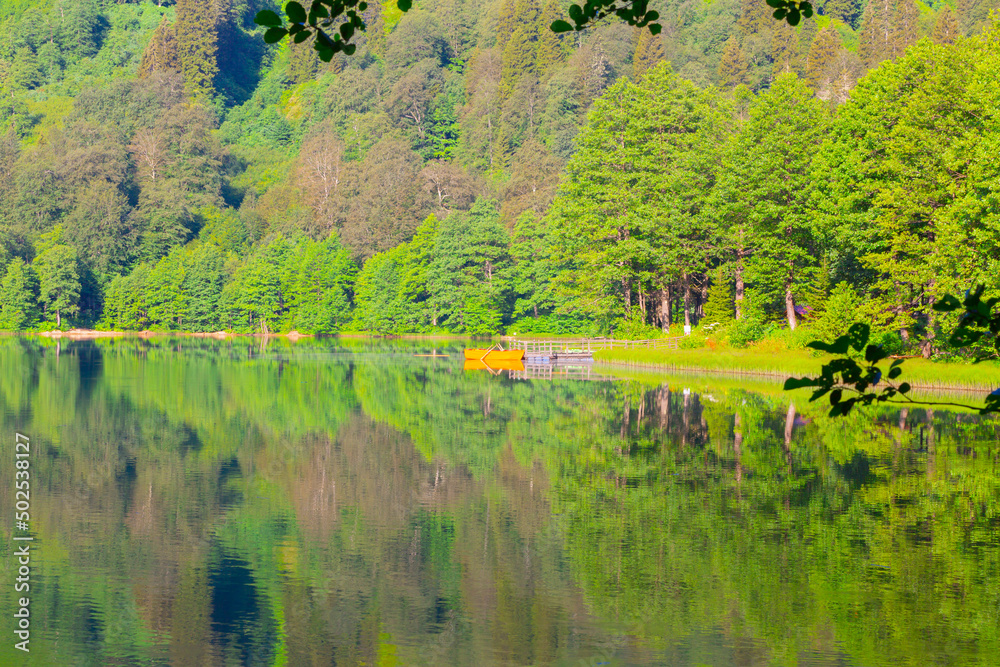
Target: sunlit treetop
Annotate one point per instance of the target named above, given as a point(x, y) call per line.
point(335, 22)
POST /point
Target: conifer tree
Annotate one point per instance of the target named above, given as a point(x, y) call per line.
point(202, 284)
point(946, 28)
point(519, 58)
point(507, 24)
point(824, 51)
point(784, 48)
point(321, 298)
point(755, 18)
point(527, 14)
point(719, 307)
point(59, 281)
point(648, 53)
point(848, 11)
point(972, 14)
point(197, 46)
point(303, 62)
point(733, 67)
point(763, 190)
point(551, 45)
point(876, 32)
point(815, 293)
point(840, 311)
point(18, 292)
point(904, 27)
point(160, 54)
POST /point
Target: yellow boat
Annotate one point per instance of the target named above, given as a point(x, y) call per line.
point(490, 356)
point(499, 365)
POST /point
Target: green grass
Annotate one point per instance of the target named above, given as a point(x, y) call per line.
point(780, 363)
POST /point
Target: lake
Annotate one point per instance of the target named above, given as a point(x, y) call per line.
point(203, 502)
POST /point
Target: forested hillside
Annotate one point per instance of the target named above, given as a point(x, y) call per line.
point(468, 170)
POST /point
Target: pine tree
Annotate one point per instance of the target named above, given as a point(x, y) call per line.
point(519, 58)
point(321, 301)
point(551, 45)
point(527, 14)
point(784, 48)
point(817, 290)
point(904, 27)
point(59, 281)
point(197, 46)
point(733, 67)
point(824, 51)
point(648, 53)
point(839, 313)
point(303, 62)
point(160, 54)
point(719, 307)
point(17, 297)
point(202, 284)
point(755, 18)
point(972, 14)
point(946, 28)
point(763, 190)
point(848, 11)
point(506, 25)
point(876, 30)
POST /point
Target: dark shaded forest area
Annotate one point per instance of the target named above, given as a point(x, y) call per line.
point(468, 170)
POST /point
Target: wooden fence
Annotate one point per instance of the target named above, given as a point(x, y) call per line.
point(540, 347)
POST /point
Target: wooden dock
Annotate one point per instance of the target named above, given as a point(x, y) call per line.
point(584, 348)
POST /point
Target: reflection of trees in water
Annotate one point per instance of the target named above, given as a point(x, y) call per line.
point(778, 523)
point(365, 507)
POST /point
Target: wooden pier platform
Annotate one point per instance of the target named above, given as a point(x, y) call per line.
point(583, 348)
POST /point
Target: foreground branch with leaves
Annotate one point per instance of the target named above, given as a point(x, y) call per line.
point(849, 381)
point(335, 22)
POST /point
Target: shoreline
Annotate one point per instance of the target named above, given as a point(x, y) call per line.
point(916, 375)
point(89, 334)
point(86, 334)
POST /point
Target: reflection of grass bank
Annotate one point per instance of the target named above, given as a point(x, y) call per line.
point(781, 363)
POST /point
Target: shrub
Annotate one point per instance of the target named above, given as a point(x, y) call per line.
point(634, 328)
point(839, 314)
point(752, 327)
point(692, 342)
point(891, 341)
point(746, 331)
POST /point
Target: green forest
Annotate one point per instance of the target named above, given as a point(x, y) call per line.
point(469, 171)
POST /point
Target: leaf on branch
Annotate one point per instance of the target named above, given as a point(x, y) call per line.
point(874, 354)
point(799, 383)
point(858, 336)
point(274, 35)
point(838, 346)
point(560, 26)
point(947, 304)
point(268, 19)
point(296, 12)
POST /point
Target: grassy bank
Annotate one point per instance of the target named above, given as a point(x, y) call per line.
point(766, 361)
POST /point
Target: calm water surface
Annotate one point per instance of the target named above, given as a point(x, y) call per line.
point(198, 502)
